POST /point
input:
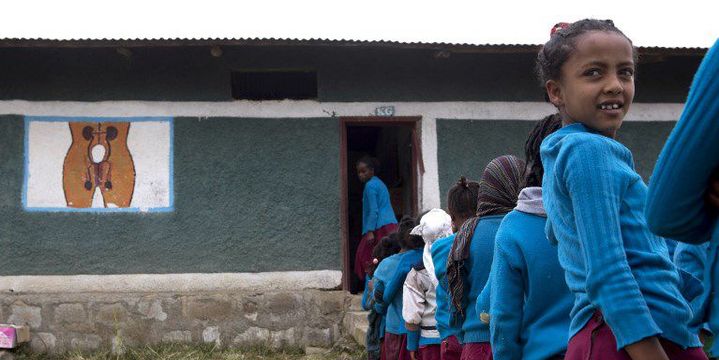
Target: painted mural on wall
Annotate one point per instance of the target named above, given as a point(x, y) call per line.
point(98, 164)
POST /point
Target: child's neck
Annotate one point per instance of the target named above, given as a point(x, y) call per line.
point(610, 133)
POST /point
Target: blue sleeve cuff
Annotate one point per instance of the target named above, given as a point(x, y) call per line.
point(412, 340)
point(631, 329)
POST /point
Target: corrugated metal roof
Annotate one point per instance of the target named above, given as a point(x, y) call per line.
point(455, 47)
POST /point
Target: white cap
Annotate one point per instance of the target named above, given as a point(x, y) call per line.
point(434, 225)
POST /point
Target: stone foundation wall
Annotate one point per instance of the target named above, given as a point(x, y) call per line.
point(92, 321)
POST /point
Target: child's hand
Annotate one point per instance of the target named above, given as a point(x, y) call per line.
point(411, 327)
point(412, 355)
point(712, 195)
point(370, 235)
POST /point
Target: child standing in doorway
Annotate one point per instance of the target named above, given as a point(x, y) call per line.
point(627, 302)
point(378, 219)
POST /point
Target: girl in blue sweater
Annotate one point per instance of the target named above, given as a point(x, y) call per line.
point(683, 200)
point(378, 218)
point(529, 300)
point(387, 246)
point(470, 258)
point(461, 206)
point(388, 281)
point(627, 301)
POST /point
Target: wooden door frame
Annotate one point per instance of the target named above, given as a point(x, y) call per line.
point(413, 122)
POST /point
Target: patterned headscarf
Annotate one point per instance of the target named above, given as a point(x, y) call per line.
point(502, 180)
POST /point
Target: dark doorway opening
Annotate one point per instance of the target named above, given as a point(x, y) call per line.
point(392, 141)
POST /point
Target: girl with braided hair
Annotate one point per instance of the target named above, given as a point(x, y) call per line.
point(470, 258)
point(526, 300)
point(461, 205)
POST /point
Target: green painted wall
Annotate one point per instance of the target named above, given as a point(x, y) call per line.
point(466, 146)
point(250, 195)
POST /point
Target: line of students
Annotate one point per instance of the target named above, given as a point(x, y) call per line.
point(559, 258)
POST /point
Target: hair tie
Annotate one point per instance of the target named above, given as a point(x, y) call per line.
point(375, 261)
point(557, 27)
point(463, 182)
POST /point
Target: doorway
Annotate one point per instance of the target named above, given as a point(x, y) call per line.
point(393, 141)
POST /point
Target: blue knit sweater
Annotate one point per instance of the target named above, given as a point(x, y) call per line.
point(675, 204)
point(376, 207)
point(440, 252)
point(595, 205)
point(388, 284)
point(478, 266)
point(694, 260)
point(529, 300)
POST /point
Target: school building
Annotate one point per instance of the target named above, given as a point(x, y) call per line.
point(204, 189)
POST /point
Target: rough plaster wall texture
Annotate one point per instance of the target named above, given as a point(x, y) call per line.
point(466, 146)
point(90, 321)
point(250, 195)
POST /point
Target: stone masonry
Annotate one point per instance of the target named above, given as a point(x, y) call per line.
point(92, 321)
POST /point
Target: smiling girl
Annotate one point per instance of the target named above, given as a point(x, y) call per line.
point(626, 289)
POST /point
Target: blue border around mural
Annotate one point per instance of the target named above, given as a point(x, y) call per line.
point(168, 119)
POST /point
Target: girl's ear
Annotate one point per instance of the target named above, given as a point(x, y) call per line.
point(554, 91)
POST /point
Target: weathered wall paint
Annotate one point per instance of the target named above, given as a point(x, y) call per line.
point(466, 146)
point(251, 195)
point(98, 164)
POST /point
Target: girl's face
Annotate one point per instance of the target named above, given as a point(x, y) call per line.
point(597, 82)
point(364, 172)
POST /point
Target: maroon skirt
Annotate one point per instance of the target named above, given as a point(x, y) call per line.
point(450, 349)
point(364, 251)
point(394, 347)
point(429, 352)
point(596, 341)
point(477, 351)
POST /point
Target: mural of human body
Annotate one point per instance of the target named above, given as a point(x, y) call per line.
point(98, 158)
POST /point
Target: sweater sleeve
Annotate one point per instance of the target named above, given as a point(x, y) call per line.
point(370, 201)
point(396, 282)
point(367, 294)
point(596, 180)
point(413, 299)
point(380, 306)
point(413, 340)
point(506, 301)
point(675, 204)
point(692, 259)
point(378, 287)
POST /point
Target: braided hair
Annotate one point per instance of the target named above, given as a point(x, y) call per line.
point(542, 129)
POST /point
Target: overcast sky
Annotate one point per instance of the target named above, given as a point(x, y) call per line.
point(684, 23)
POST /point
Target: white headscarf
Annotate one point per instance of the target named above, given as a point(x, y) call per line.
point(435, 224)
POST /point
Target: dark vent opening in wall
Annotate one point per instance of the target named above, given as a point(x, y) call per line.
point(274, 85)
